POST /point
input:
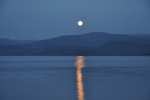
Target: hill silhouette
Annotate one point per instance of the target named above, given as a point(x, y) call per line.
point(90, 44)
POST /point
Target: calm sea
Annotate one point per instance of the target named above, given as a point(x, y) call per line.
point(74, 78)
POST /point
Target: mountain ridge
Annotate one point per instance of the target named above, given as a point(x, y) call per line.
point(93, 43)
point(5, 41)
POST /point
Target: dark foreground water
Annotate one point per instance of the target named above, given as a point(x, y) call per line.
point(59, 78)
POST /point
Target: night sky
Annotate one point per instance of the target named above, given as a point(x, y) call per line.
point(44, 19)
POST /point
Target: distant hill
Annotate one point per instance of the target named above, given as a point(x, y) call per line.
point(90, 44)
point(141, 35)
point(92, 39)
point(123, 48)
point(4, 41)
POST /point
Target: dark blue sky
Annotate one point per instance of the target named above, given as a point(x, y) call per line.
point(43, 19)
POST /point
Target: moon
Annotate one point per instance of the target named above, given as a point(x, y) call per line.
point(80, 23)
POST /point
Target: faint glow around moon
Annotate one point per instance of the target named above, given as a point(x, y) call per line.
point(80, 23)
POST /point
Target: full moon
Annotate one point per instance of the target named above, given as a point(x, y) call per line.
point(80, 23)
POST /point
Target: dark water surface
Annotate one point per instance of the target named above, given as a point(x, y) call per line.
point(58, 78)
